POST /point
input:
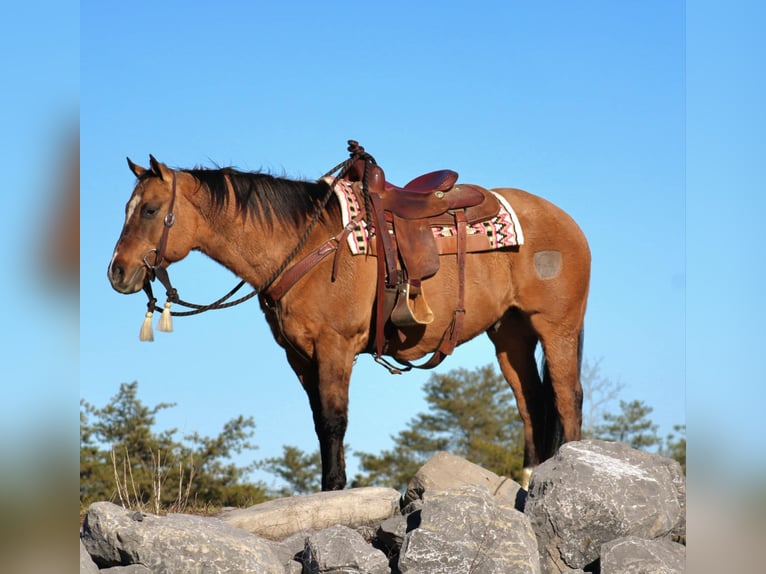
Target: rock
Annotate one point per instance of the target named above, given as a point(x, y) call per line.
point(468, 530)
point(114, 536)
point(678, 534)
point(341, 550)
point(390, 534)
point(280, 518)
point(290, 551)
point(444, 470)
point(631, 555)
point(596, 506)
point(593, 492)
point(87, 566)
point(367, 532)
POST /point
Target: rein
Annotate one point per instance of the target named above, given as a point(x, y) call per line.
point(157, 271)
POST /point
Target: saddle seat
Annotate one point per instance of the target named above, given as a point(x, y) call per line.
point(440, 180)
point(429, 195)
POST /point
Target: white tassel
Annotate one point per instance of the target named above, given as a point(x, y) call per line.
point(146, 333)
point(166, 321)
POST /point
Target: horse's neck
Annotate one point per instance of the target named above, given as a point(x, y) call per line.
point(250, 248)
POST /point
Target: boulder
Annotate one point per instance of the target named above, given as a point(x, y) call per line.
point(444, 471)
point(468, 530)
point(114, 536)
point(593, 492)
point(290, 551)
point(678, 534)
point(341, 550)
point(280, 518)
point(632, 555)
point(390, 534)
point(87, 566)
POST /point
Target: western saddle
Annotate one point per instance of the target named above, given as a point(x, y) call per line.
point(401, 219)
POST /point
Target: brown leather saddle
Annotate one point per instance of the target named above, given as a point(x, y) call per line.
point(406, 249)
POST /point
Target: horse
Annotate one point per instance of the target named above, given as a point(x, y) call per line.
point(249, 222)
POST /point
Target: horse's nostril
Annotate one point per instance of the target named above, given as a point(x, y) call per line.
point(116, 273)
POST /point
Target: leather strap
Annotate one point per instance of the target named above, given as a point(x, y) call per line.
point(388, 274)
point(297, 271)
point(170, 219)
point(384, 243)
point(452, 334)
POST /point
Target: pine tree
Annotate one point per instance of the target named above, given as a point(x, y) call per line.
point(300, 471)
point(631, 426)
point(123, 460)
point(675, 447)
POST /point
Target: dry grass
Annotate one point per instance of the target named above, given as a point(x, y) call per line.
point(130, 497)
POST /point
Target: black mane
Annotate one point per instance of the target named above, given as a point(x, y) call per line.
point(261, 195)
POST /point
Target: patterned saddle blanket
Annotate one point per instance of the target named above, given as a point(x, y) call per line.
point(502, 230)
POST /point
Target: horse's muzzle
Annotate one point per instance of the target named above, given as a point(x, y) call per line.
point(124, 281)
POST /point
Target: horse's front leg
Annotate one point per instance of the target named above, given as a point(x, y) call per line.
point(326, 383)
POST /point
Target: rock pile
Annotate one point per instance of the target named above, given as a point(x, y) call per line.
point(594, 507)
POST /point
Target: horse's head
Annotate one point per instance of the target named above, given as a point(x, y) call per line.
point(158, 228)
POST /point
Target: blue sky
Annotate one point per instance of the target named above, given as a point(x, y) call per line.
point(582, 103)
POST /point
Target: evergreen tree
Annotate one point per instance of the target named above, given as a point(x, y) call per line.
point(300, 471)
point(675, 447)
point(123, 460)
point(631, 426)
point(124, 426)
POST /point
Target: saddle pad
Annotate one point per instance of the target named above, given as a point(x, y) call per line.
point(504, 230)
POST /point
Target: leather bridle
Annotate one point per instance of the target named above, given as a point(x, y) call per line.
point(156, 270)
point(168, 221)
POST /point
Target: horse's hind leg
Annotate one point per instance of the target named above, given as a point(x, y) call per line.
point(562, 345)
point(515, 344)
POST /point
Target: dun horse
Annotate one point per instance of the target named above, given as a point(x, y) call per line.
point(261, 227)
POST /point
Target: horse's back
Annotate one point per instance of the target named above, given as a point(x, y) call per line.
point(543, 221)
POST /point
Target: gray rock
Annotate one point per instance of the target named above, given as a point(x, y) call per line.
point(87, 566)
point(132, 569)
point(390, 534)
point(444, 471)
point(290, 550)
point(678, 534)
point(367, 532)
point(114, 536)
point(469, 530)
point(593, 492)
point(631, 555)
point(341, 550)
point(278, 519)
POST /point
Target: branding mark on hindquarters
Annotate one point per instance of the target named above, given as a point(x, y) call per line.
point(547, 264)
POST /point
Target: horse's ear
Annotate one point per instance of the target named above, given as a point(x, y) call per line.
point(159, 169)
point(137, 170)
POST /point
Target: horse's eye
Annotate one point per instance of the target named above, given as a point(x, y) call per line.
point(148, 211)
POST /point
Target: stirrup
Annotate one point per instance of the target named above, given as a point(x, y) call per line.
point(411, 308)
